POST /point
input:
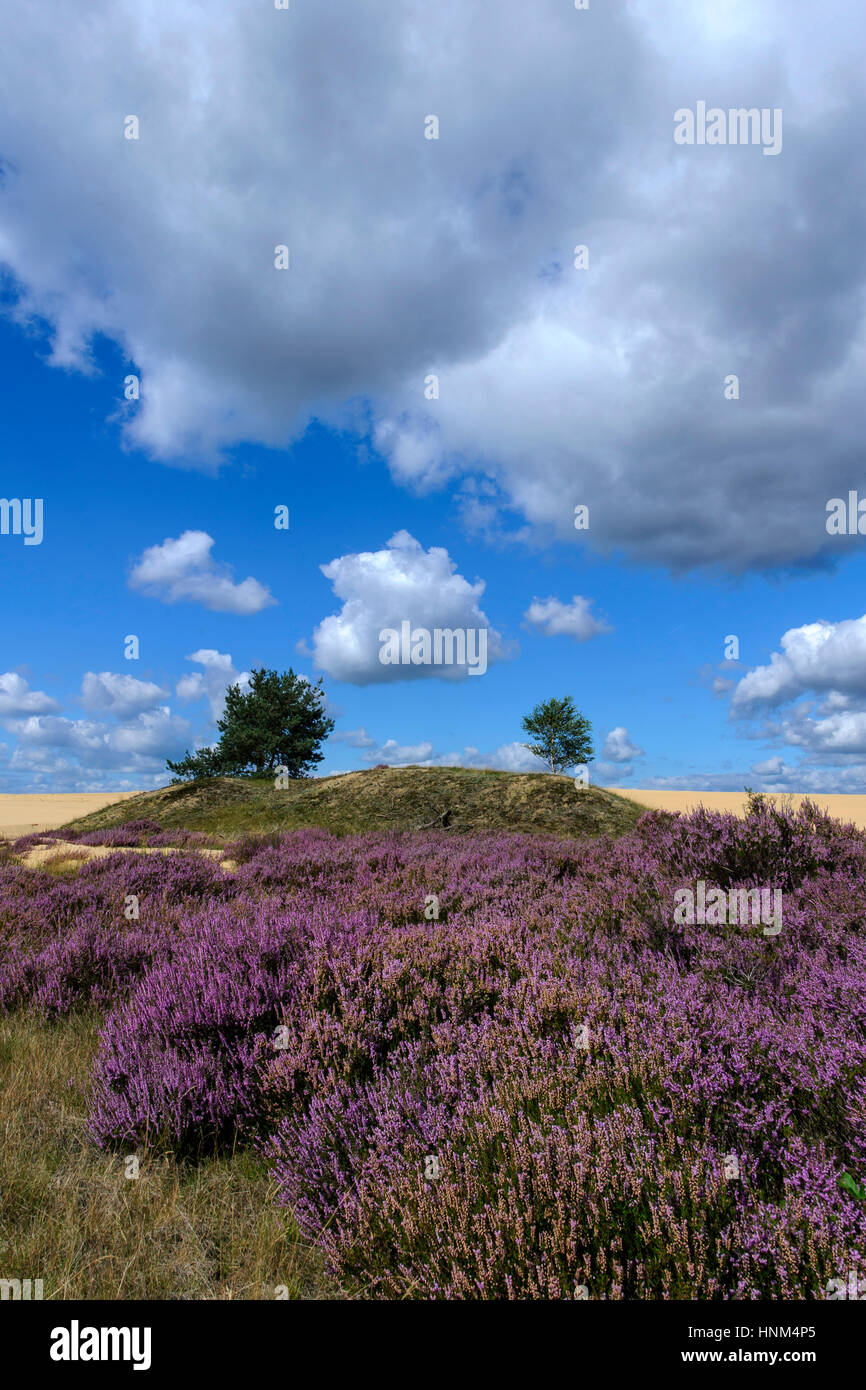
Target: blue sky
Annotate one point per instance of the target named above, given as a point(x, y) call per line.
point(557, 386)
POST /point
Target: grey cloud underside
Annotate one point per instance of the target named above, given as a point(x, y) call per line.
point(408, 256)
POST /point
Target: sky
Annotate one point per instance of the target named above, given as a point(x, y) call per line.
point(505, 315)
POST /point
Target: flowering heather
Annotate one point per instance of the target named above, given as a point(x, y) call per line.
point(36, 837)
point(69, 942)
point(130, 835)
point(183, 839)
point(493, 1066)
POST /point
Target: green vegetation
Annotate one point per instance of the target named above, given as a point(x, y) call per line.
point(277, 725)
point(563, 737)
point(407, 798)
point(70, 1216)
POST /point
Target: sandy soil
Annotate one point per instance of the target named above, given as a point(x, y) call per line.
point(22, 812)
point(67, 850)
point(844, 808)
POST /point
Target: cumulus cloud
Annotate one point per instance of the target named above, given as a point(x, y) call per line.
point(107, 693)
point(354, 738)
point(183, 569)
point(618, 747)
point(508, 757)
point(557, 619)
point(819, 656)
point(396, 753)
point(615, 765)
point(142, 743)
point(810, 727)
point(381, 590)
point(17, 698)
point(211, 683)
point(820, 675)
point(798, 778)
point(769, 767)
point(558, 386)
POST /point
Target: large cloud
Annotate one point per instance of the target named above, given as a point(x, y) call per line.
point(184, 570)
point(820, 656)
point(408, 256)
point(16, 697)
point(136, 744)
point(820, 675)
point(381, 590)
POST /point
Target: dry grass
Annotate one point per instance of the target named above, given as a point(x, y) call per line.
point(65, 857)
point(63, 862)
point(71, 1217)
point(406, 798)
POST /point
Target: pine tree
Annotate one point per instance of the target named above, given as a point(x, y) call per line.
point(278, 722)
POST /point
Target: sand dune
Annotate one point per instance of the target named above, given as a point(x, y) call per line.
point(843, 807)
point(22, 812)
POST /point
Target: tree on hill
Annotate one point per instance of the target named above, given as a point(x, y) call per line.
point(278, 722)
point(563, 737)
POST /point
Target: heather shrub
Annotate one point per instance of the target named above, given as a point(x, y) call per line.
point(36, 837)
point(249, 847)
point(183, 839)
point(131, 835)
point(613, 1100)
point(603, 1167)
point(181, 1062)
point(770, 845)
point(65, 943)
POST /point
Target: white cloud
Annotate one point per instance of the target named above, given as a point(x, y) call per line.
point(800, 778)
point(396, 753)
point(820, 656)
point(382, 589)
point(611, 774)
point(560, 386)
point(17, 698)
point(618, 747)
point(354, 738)
point(508, 757)
point(184, 570)
point(122, 696)
point(140, 743)
point(557, 619)
point(820, 673)
point(770, 767)
point(836, 733)
point(512, 757)
point(211, 684)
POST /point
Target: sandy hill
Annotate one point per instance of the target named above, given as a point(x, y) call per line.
point(407, 798)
